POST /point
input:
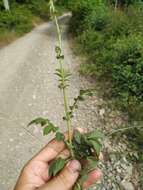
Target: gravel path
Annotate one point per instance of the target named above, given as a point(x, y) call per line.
point(28, 89)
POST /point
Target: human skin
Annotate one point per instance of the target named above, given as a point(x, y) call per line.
point(34, 175)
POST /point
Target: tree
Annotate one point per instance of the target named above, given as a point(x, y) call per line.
point(6, 5)
point(116, 4)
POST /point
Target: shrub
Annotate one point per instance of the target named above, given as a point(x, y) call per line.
point(80, 10)
point(136, 13)
point(113, 43)
point(117, 25)
point(18, 20)
point(22, 15)
point(124, 61)
point(91, 41)
point(39, 8)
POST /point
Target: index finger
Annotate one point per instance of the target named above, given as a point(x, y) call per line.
point(51, 150)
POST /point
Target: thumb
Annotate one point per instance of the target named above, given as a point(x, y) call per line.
point(66, 179)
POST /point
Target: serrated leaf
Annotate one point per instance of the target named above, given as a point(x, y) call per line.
point(56, 166)
point(49, 128)
point(60, 136)
point(39, 120)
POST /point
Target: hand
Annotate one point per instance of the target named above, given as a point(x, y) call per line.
point(34, 176)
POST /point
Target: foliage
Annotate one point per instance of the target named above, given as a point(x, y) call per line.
point(39, 8)
point(124, 62)
point(81, 11)
point(113, 43)
point(22, 15)
point(56, 166)
point(18, 20)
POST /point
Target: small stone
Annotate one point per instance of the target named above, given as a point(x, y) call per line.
point(20, 134)
point(118, 178)
point(125, 185)
point(34, 96)
point(45, 113)
point(11, 140)
point(119, 170)
point(102, 112)
point(124, 166)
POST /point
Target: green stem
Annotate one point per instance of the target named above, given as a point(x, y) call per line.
point(123, 129)
point(66, 106)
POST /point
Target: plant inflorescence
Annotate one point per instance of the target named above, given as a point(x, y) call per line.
point(84, 147)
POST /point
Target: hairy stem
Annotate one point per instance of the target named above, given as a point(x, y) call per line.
point(66, 106)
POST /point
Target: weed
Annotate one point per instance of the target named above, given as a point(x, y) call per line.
point(81, 146)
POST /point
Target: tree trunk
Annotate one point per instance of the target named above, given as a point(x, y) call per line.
point(116, 4)
point(6, 4)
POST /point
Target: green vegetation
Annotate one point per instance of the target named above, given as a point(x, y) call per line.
point(112, 40)
point(22, 17)
point(109, 34)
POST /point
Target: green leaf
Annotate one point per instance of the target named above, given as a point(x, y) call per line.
point(84, 177)
point(81, 98)
point(60, 136)
point(49, 128)
point(60, 56)
point(96, 145)
point(95, 135)
point(58, 74)
point(39, 120)
point(57, 49)
point(67, 74)
point(56, 166)
point(64, 118)
point(77, 187)
point(92, 163)
point(87, 92)
point(77, 137)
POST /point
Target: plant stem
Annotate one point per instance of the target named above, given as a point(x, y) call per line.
point(123, 129)
point(66, 106)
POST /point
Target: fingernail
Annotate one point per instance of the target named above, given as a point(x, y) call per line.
point(74, 165)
